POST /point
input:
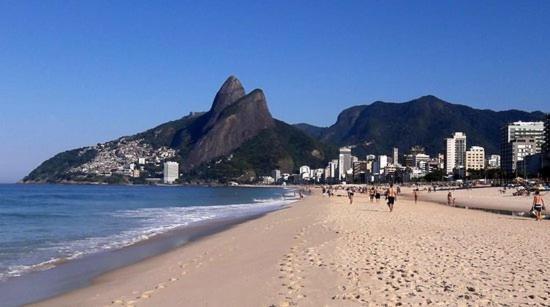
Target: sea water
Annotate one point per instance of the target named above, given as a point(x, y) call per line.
point(44, 225)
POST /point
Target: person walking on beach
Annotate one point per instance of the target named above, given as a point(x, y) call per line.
point(371, 194)
point(415, 193)
point(377, 194)
point(398, 190)
point(538, 205)
point(450, 199)
point(391, 193)
point(350, 196)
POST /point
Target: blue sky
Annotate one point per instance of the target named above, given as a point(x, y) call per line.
point(74, 73)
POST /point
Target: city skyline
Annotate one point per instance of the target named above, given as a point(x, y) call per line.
point(75, 74)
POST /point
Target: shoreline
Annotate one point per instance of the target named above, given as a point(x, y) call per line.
point(68, 275)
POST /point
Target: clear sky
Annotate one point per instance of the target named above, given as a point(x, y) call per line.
point(74, 73)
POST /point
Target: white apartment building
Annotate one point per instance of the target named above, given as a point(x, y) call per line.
point(332, 169)
point(475, 158)
point(520, 139)
point(276, 174)
point(305, 172)
point(171, 172)
point(344, 162)
point(455, 153)
point(380, 164)
point(524, 130)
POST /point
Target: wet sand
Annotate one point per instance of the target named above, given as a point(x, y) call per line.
point(325, 252)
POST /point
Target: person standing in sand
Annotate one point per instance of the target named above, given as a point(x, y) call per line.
point(350, 196)
point(415, 193)
point(449, 198)
point(538, 205)
point(371, 194)
point(391, 193)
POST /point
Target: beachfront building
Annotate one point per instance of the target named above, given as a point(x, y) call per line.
point(408, 159)
point(546, 145)
point(332, 169)
point(520, 139)
point(493, 161)
point(524, 131)
point(455, 153)
point(515, 151)
point(318, 174)
point(380, 164)
point(395, 156)
point(475, 158)
point(171, 172)
point(305, 172)
point(420, 160)
point(276, 174)
point(344, 162)
point(360, 171)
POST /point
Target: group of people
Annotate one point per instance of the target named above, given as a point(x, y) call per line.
point(375, 193)
point(390, 193)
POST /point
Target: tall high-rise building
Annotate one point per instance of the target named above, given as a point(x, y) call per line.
point(171, 172)
point(344, 162)
point(520, 139)
point(515, 151)
point(475, 158)
point(380, 164)
point(493, 161)
point(524, 130)
point(455, 155)
point(276, 174)
point(546, 145)
point(395, 156)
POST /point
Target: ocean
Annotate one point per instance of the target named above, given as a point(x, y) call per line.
point(42, 226)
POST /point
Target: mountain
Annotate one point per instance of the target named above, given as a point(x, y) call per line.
point(235, 140)
point(425, 121)
point(238, 139)
point(311, 130)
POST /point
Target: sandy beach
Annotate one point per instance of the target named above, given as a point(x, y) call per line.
point(325, 252)
point(480, 198)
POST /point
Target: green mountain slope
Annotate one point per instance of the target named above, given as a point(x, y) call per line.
point(426, 121)
point(282, 147)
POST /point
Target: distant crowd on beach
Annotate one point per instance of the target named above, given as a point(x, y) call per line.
point(391, 192)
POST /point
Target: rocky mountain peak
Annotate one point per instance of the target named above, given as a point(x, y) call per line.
point(233, 119)
point(231, 91)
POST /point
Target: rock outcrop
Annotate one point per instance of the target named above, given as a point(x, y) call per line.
point(230, 123)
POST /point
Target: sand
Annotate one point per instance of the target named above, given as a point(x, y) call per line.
point(325, 252)
point(482, 198)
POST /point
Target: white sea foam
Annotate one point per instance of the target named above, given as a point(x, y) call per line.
point(152, 222)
